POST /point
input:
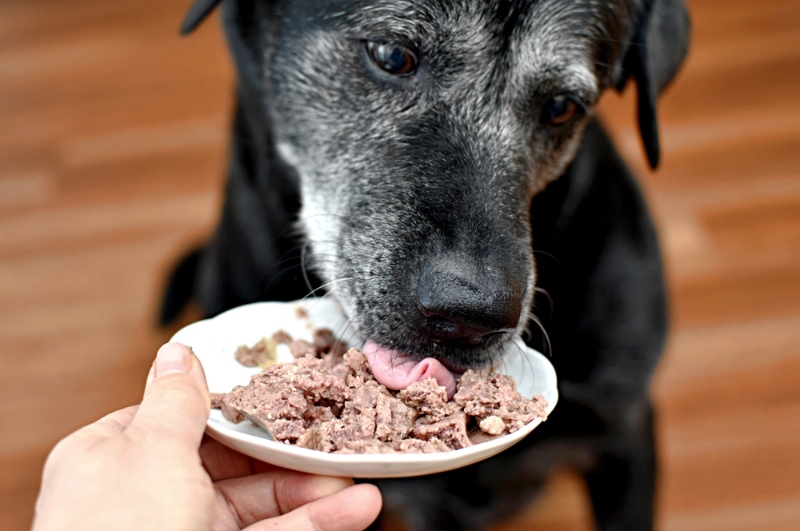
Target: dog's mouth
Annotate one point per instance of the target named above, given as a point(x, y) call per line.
point(397, 370)
point(403, 347)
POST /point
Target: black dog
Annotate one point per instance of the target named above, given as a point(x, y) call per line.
point(414, 157)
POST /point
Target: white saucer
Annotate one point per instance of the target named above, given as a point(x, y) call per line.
point(214, 341)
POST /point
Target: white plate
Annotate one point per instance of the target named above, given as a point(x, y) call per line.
point(214, 341)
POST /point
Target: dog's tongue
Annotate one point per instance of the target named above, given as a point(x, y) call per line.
point(396, 370)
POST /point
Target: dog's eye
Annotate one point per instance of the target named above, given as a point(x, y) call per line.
point(392, 58)
point(559, 110)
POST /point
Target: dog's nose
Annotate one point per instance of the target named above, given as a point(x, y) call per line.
point(462, 306)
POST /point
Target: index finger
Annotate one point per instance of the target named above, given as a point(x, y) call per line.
point(351, 509)
point(301, 498)
point(222, 462)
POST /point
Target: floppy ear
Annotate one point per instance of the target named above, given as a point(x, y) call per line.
point(660, 42)
point(197, 13)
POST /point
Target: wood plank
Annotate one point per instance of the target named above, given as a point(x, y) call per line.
point(112, 154)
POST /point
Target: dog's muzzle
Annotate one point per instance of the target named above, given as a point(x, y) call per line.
point(460, 305)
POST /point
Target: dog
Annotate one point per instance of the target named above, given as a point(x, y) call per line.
point(435, 166)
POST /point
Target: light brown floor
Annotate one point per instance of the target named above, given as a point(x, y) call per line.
point(112, 151)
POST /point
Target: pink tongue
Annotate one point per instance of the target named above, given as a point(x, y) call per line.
point(396, 370)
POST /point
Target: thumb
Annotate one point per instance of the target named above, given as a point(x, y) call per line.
point(175, 406)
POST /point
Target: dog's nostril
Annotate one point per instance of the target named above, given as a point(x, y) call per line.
point(459, 305)
point(462, 324)
point(460, 330)
point(440, 324)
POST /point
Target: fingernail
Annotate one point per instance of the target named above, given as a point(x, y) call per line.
point(173, 358)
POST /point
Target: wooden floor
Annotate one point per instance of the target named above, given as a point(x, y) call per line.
point(112, 152)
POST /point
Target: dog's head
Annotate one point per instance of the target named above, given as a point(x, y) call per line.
point(420, 130)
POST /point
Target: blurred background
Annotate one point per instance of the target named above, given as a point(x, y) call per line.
point(113, 140)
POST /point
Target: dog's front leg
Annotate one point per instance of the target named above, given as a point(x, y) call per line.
point(622, 482)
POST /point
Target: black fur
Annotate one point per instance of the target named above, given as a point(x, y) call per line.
point(424, 201)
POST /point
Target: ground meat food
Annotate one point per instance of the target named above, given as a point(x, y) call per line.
point(216, 400)
point(382, 415)
point(329, 401)
point(452, 431)
point(418, 446)
point(263, 354)
point(492, 425)
point(300, 347)
point(325, 342)
point(495, 395)
point(282, 337)
point(324, 339)
point(429, 398)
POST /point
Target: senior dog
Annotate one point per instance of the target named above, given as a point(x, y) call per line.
point(434, 166)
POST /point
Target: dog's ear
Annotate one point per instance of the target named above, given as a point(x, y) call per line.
point(197, 13)
point(659, 45)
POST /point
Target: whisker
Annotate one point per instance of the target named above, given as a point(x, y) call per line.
point(325, 286)
point(528, 370)
point(546, 293)
point(304, 268)
point(548, 346)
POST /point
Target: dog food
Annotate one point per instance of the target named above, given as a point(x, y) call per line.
point(328, 400)
point(263, 354)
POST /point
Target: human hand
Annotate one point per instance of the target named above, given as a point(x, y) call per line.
point(149, 467)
